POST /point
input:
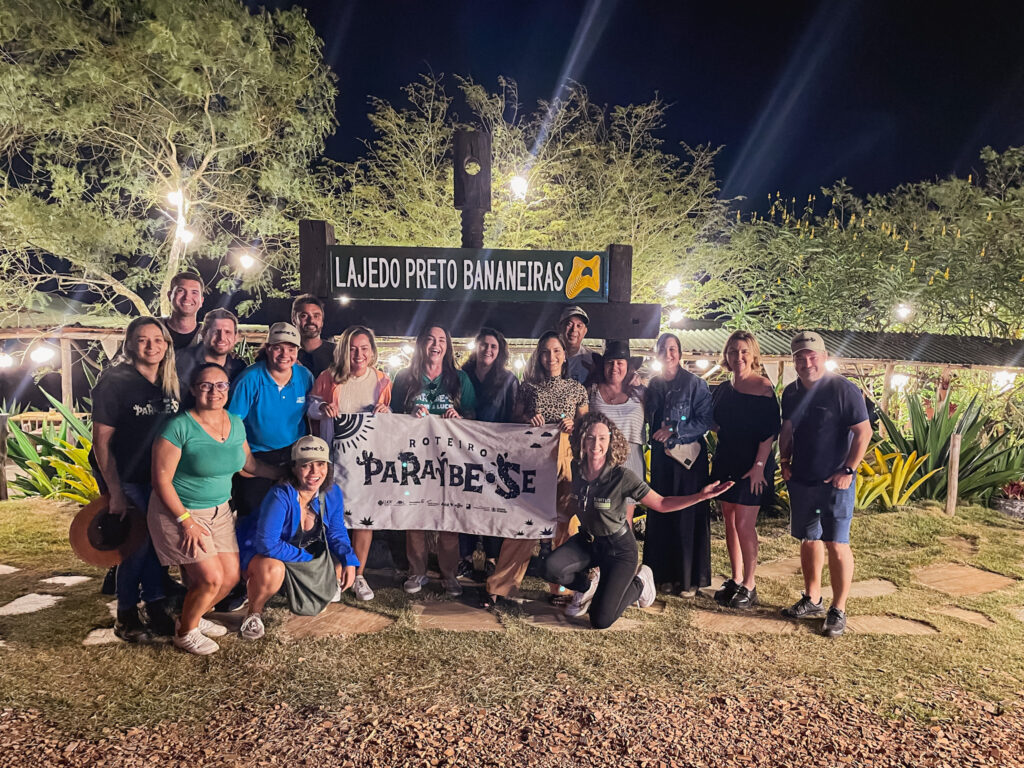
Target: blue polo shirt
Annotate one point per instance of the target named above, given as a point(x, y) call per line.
point(274, 417)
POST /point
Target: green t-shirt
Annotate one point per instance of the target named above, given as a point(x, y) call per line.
point(203, 477)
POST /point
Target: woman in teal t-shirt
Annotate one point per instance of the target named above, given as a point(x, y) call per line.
point(190, 521)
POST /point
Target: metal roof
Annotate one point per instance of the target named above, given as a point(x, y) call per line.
point(921, 348)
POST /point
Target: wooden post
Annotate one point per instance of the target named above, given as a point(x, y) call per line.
point(954, 474)
point(887, 385)
point(782, 368)
point(67, 392)
point(3, 457)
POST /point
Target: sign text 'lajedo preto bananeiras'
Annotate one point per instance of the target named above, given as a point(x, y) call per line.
point(373, 272)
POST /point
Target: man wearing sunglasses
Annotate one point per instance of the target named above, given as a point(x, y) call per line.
point(219, 334)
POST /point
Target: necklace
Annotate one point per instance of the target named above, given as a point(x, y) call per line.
point(219, 432)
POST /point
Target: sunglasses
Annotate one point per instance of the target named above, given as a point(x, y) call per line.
point(209, 386)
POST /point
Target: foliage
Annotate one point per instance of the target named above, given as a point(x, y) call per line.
point(987, 460)
point(892, 484)
point(596, 176)
point(55, 463)
point(1014, 490)
point(948, 248)
point(106, 108)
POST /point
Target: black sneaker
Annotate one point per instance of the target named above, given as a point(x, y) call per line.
point(129, 627)
point(158, 619)
point(236, 599)
point(464, 570)
point(804, 608)
point(835, 623)
point(489, 567)
point(744, 599)
point(726, 592)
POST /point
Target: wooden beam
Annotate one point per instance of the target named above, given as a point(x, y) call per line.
point(620, 273)
point(887, 386)
point(314, 237)
point(3, 457)
point(953, 476)
point(67, 393)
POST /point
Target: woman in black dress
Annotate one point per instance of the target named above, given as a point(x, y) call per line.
point(746, 413)
point(677, 546)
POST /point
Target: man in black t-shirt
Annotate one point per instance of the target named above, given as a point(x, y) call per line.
point(308, 316)
point(186, 297)
point(825, 431)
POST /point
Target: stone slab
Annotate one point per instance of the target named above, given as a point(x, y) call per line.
point(956, 579)
point(453, 616)
point(29, 603)
point(960, 544)
point(66, 581)
point(6, 569)
point(868, 588)
point(716, 584)
point(971, 617)
point(337, 619)
point(1019, 613)
point(779, 570)
point(750, 623)
point(657, 607)
point(101, 637)
point(887, 625)
point(232, 620)
point(547, 616)
point(112, 607)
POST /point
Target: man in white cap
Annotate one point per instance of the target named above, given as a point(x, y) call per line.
point(825, 431)
point(573, 324)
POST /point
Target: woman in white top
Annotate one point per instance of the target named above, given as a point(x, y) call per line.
point(352, 384)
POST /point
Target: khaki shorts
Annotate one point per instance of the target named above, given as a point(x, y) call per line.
point(167, 533)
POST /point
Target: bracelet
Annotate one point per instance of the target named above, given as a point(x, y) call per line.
point(183, 518)
point(761, 463)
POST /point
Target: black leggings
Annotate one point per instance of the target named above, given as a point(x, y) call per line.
point(616, 556)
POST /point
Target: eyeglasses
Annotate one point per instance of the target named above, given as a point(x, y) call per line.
point(209, 386)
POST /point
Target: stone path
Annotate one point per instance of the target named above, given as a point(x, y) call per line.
point(958, 580)
point(868, 588)
point(66, 581)
point(971, 617)
point(29, 603)
point(962, 545)
point(454, 616)
point(338, 619)
point(546, 616)
point(779, 570)
point(6, 569)
point(762, 621)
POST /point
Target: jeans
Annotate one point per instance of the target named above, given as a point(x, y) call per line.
point(467, 546)
point(140, 572)
point(616, 556)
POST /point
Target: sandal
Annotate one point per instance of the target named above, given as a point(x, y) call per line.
point(488, 602)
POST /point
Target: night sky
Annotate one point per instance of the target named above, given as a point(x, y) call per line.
point(799, 93)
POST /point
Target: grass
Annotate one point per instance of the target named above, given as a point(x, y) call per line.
point(87, 689)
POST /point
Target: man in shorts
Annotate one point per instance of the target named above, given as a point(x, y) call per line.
point(825, 431)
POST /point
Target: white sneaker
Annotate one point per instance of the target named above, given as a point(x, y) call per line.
point(452, 587)
point(650, 591)
point(252, 627)
point(362, 589)
point(212, 628)
point(580, 602)
point(415, 583)
point(337, 595)
point(195, 642)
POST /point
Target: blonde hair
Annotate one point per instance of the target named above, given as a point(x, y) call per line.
point(341, 368)
point(166, 373)
point(748, 337)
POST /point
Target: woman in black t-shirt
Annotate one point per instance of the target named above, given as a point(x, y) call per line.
point(131, 402)
point(605, 540)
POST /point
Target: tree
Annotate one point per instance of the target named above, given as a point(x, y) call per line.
point(108, 108)
point(940, 256)
point(595, 176)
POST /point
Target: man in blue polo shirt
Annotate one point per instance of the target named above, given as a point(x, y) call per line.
point(270, 398)
point(825, 431)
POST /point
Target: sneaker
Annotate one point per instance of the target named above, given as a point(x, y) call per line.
point(252, 627)
point(726, 592)
point(452, 587)
point(646, 576)
point(235, 601)
point(804, 608)
point(337, 596)
point(744, 599)
point(362, 589)
point(159, 619)
point(580, 602)
point(464, 570)
point(196, 642)
point(414, 584)
point(212, 628)
point(129, 627)
point(835, 623)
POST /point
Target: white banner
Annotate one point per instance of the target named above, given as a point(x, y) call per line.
point(400, 473)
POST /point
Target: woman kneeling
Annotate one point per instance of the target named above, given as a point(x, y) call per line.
point(300, 525)
point(605, 540)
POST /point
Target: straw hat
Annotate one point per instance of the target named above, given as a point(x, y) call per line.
point(102, 539)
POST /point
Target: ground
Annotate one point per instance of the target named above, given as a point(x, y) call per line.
point(683, 684)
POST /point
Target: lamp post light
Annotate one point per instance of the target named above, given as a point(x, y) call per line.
point(246, 260)
point(42, 354)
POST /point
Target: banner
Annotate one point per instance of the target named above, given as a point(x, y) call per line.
point(400, 473)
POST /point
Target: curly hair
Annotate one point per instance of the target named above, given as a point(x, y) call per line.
point(618, 448)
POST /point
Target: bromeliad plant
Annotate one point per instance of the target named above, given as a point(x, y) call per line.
point(55, 463)
point(892, 484)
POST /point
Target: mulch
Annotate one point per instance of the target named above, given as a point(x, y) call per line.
point(624, 729)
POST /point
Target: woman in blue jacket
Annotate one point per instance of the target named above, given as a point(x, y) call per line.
point(290, 543)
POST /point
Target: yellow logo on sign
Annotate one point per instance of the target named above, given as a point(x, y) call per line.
point(585, 274)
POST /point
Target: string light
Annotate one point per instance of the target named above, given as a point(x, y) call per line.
point(904, 311)
point(702, 364)
point(673, 287)
point(675, 315)
point(246, 261)
point(43, 354)
point(395, 361)
point(519, 186)
point(519, 364)
point(657, 367)
point(6, 361)
point(344, 300)
point(831, 365)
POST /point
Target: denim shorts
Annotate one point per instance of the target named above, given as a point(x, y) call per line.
point(820, 512)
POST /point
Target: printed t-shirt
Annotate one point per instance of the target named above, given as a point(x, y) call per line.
point(203, 476)
point(432, 394)
point(601, 502)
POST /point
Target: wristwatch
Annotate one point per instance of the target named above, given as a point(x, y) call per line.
point(848, 470)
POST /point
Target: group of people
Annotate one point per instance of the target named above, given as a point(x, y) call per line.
point(233, 465)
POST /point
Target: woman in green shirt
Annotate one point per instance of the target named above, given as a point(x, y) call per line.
point(190, 521)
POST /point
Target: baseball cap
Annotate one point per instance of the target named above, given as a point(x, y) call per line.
point(310, 448)
point(284, 333)
point(573, 311)
point(807, 340)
